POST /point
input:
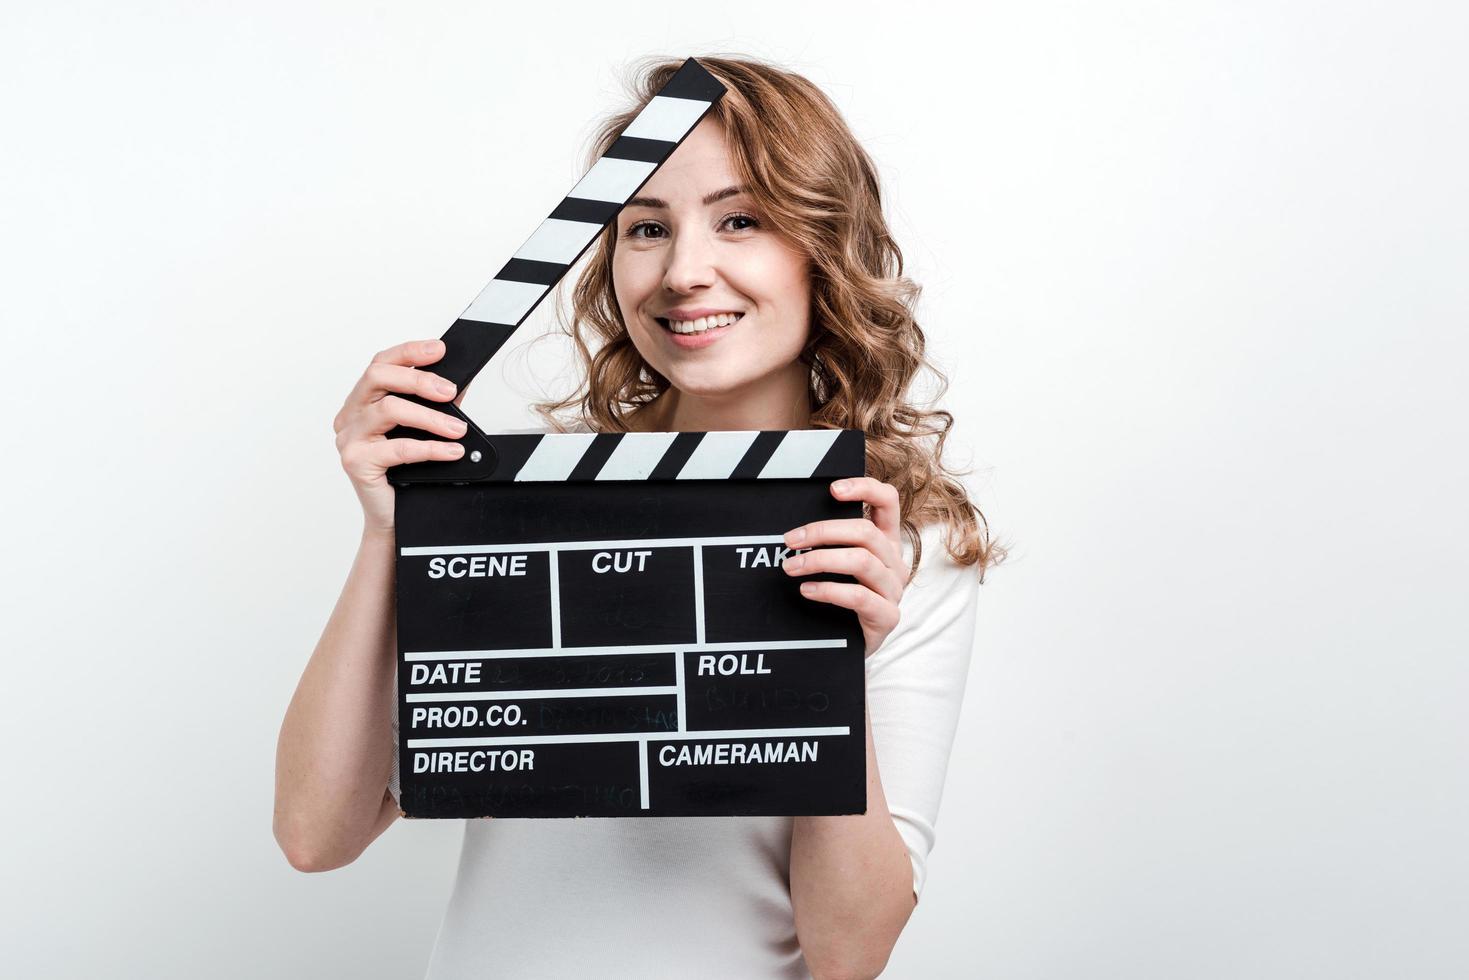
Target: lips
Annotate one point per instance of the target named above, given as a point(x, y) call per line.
point(694, 339)
point(702, 324)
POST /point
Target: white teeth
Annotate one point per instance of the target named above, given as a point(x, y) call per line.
point(703, 323)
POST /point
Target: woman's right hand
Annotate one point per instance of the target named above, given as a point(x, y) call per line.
point(372, 409)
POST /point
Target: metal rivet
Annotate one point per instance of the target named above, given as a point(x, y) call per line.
point(476, 456)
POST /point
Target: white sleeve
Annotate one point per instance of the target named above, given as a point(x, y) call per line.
point(915, 687)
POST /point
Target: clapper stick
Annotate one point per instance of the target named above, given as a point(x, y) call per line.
point(598, 624)
point(546, 257)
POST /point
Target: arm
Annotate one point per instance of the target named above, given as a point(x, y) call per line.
point(855, 880)
point(851, 885)
point(336, 747)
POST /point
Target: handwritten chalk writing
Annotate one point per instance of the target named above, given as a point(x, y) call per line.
point(737, 753)
point(731, 664)
point(576, 671)
point(455, 716)
point(766, 557)
point(618, 796)
point(444, 673)
point(603, 715)
point(619, 561)
point(477, 566)
point(777, 699)
point(477, 760)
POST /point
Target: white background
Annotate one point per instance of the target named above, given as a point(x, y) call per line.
point(1197, 271)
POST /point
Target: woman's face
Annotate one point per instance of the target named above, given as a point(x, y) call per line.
point(685, 251)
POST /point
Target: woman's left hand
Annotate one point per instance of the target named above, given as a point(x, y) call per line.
point(875, 558)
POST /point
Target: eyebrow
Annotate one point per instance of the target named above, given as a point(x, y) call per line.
point(658, 202)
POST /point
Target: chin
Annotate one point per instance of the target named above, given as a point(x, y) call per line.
point(706, 387)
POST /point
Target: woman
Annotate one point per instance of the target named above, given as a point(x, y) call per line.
point(751, 284)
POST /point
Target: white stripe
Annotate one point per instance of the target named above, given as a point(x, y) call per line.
point(612, 180)
point(504, 301)
point(698, 594)
point(716, 456)
point(643, 770)
point(683, 721)
point(798, 453)
point(558, 240)
point(721, 735)
point(529, 546)
point(634, 459)
point(732, 646)
point(578, 692)
point(554, 459)
point(555, 598)
point(666, 118)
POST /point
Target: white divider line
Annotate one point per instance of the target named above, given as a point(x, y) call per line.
point(576, 692)
point(683, 723)
point(699, 593)
point(555, 600)
point(724, 734)
point(731, 646)
point(643, 769)
point(610, 545)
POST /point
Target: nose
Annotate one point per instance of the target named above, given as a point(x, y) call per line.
point(690, 264)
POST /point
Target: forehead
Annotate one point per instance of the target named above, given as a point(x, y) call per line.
point(699, 165)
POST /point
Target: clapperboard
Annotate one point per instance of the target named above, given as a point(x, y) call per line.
point(599, 624)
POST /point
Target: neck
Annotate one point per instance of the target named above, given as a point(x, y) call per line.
point(777, 401)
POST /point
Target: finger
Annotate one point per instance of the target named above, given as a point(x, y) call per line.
point(393, 410)
point(413, 352)
point(887, 506)
point(380, 378)
point(857, 531)
point(393, 452)
point(859, 563)
point(366, 460)
point(875, 612)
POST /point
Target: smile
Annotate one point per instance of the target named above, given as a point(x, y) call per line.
point(700, 325)
point(698, 333)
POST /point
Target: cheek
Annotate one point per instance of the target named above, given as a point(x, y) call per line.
point(786, 277)
point(626, 286)
point(789, 288)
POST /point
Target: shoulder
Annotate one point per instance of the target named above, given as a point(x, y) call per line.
point(938, 607)
point(938, 574)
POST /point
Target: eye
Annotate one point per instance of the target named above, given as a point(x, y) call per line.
point(635, 227)
point(742, 217)
point(632, 231)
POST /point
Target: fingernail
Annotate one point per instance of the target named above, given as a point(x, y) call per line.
point(807, 588)
point(796, 536)
point(841, 486)
point(457, 426)
point(432, 346)
point(794, 562)
point(445, 387)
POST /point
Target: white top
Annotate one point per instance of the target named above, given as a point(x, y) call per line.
point(706, 896)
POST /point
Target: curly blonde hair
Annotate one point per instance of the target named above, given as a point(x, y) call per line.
point(815, 185)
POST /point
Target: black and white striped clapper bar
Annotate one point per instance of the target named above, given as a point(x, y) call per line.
point(599, 624)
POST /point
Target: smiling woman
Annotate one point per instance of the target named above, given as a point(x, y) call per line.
point(717, 304)
point(751, 284)
point(769, 212)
